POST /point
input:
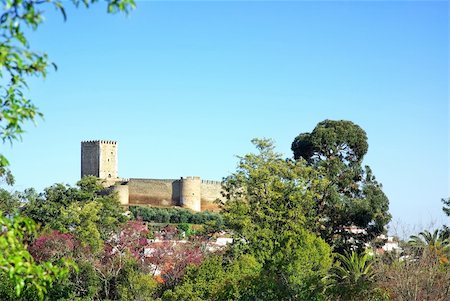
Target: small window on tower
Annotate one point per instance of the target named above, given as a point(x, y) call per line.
point(109, 175)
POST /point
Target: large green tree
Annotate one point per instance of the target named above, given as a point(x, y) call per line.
point(353, 197)
point(88, 211)
point(269, 207)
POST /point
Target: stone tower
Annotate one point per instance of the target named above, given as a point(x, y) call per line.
point(99, 158)
point(190, 194)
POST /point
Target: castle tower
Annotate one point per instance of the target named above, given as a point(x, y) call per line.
point(190, 196)
point(99, 158)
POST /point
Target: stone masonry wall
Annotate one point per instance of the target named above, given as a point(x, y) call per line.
point(167, 193)
point(99, 158)
point(154, 192)
point(90, 164)
point(108, 159)
point(211, 191)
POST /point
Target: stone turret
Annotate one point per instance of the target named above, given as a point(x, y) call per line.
point(99, 158)
point(190, 196)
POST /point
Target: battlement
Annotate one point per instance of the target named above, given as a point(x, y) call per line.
point(211, 182)
point(100, 157)
point(99, 142)
point(190, 178)
point(152, 180)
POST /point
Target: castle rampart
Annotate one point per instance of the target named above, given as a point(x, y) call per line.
point(99, 158)
point(191, 193)
point(154, 192)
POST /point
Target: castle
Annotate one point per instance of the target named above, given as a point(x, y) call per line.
point(99, 158)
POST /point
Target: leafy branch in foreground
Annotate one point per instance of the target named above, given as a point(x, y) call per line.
point(18, 264)
point(18, 61)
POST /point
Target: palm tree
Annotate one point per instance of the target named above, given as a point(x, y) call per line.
point(352, 277)
point(435, 244)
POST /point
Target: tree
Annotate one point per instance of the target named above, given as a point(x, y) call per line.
point(352, 278)
point(53, 246)
point(445, 229)
point(116, 271)
point(16, 263)
point(353, 197)
point(87, 211)
point(18, 61)
point(9, 202)
point(446, 207)
point(435, 244)
point(415, 278)
point(168, 259)
point(333, 143)
point(269, 208)
point(218, 279)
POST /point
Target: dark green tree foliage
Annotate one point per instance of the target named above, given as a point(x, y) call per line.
point(9, 201)
point(269, 205)
point(176, 216)
point(87, 211)
point(352, 277)
point(219, 279)
point(353, 196)
point(446, 207)
point(445, 229)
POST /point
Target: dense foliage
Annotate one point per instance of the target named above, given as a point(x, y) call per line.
point(352, 198)
point(268, 208)
point(86, 211)
point(18, 269)
point(176, 215)
point(277, 212)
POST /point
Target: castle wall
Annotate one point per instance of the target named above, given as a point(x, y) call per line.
point(189, 192)
point(122, 193)
point(90, 153)
point(190, 197)
point(108, 160)
point(154, 192)
point(99, 158)
point(211, 191)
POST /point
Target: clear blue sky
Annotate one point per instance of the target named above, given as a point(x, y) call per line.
point(184, 86)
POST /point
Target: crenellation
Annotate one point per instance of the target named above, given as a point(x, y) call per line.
point(99, 158)
point(152, 180)
point(99, 141)
point(212, 182)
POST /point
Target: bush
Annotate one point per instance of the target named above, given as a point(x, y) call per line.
point(176, 216)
